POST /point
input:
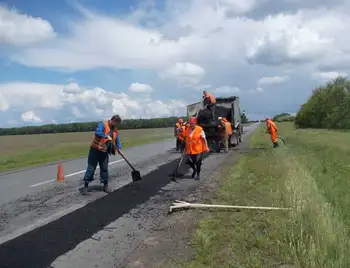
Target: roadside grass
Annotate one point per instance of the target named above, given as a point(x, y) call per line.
point(30, 150)
point(311, 176)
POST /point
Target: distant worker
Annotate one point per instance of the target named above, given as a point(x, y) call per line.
point(209, 102)
point(181, 136)
point(177, 128)
point(196, 145)
point(106, 137)
point(272, 130)
point(226, 132)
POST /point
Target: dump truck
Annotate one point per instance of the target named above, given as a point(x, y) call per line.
point(225, 107)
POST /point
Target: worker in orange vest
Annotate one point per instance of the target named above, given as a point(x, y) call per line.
point(226, 132)
point(196, 145)
point(177, 128)
point(209, 102)
point(181, 136)
point(106, 137)
point(271, 128)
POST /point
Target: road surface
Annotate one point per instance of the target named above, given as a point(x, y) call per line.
point(60, 226)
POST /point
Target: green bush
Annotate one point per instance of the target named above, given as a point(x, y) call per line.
point(328, 107)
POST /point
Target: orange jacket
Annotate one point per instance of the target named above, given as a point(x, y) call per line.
point(271, 126)
point(100, 143)
point(195, 143)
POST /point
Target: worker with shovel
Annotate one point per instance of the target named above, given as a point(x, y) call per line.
point(106, 137)
point(272, 130)
point(196, 145)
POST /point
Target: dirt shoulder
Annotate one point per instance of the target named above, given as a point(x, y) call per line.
point(169, 244)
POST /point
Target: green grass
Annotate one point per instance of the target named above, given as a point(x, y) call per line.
point(30, 150)
point(312, 176)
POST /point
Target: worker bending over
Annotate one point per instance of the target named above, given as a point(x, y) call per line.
point(272, 130)
point(209, 102)
point(106, 137)
point(196, 144)
point(226, 132)
point(177, 128)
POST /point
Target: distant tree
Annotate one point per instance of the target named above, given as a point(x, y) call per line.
point(328, 107)
point(244, 118)
point(89, 126)
point(283, 117)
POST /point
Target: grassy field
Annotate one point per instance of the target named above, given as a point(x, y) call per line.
point(312, 176)
point(29, 150)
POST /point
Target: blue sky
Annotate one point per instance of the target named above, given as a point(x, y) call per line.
point(66, 61)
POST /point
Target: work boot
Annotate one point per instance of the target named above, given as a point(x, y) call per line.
point(194, 173)
point(198, 177)
point(106, 189)
point(275, 145)
point(85, 189)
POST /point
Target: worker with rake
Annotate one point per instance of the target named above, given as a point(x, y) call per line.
point(196, 145)
point(271, 128)
point(104, 142)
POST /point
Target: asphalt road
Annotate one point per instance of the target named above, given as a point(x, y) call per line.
point(54, 221)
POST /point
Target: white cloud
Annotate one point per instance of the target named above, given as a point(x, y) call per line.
point(326, 76)
point(141, 88)
point(185, 73)
point(30, 117)
point(227, 90)
point(268, 80)
point(19, 29)
point(54, 103)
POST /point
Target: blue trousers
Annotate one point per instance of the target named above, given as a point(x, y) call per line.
point(97, 157)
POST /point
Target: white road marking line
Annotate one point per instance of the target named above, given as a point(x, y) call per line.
point(72, 174)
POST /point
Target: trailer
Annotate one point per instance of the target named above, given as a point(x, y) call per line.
point(225, 107)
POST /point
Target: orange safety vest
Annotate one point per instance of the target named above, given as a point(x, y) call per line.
point(100, 143)
point(182, 134)
point(271, 126)
point(211, 98)
point(195, 143)
point(228, 128)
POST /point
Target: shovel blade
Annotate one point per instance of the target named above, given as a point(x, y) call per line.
point(136, 176)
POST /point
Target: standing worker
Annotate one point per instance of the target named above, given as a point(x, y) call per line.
point(106, 137)
point(196, 144)
point(272, 130)
point(226, 131)
point(177, 128)
point(209, 102)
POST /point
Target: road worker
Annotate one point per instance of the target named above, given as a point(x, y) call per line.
point(106, 137)
point(226, 132)
point(181, 136)
point(209, 102)
point(177, 128)
point(196, 145)
point(272, 130)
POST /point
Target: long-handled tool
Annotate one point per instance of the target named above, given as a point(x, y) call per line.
point(282, 141)
point(135, 174)
point(176, 173)
point(182, 204)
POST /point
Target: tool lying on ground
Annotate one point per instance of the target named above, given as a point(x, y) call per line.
point(176, 173)
point(135, 174)
point(182, 204)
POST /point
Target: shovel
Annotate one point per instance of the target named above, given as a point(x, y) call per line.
point(135, 174)
point(176, 171)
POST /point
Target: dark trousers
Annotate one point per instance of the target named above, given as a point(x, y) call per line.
point(195, 162)
point(211, 107)
point(97, 157)
point(178, 144)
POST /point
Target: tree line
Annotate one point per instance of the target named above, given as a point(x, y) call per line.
point(89, 126)
point(327, 107)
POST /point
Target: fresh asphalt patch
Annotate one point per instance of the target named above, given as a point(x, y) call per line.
point(40, 247)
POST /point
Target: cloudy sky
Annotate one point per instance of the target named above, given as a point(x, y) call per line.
point(64, 61)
